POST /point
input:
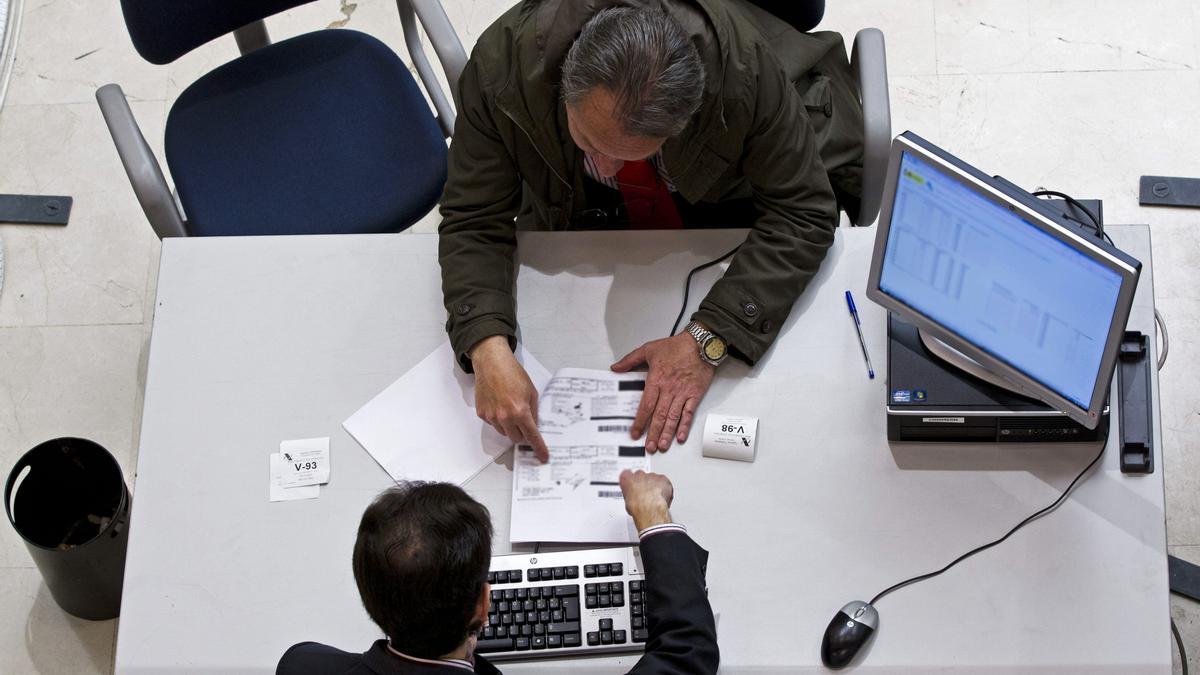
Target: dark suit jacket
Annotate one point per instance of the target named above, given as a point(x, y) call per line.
point(683, 634)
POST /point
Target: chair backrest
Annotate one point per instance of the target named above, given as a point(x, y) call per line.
point(164, 30)
point(803, 15)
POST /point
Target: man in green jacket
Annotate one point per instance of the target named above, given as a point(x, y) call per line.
point(644, 114)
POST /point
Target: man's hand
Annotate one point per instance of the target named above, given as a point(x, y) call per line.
point(504, 395)
point(678, 379)
point(647, 497)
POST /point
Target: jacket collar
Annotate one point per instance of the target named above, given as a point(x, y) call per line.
point(382, 659)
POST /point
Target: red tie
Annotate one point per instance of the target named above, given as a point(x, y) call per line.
point(647, 199)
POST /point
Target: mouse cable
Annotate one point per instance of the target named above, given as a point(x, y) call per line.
point(687, 285)
point(990, 544)
point(1179, 643)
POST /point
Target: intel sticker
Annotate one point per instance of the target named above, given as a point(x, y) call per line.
point(902, 396)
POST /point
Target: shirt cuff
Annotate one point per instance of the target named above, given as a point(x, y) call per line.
point(656, 529)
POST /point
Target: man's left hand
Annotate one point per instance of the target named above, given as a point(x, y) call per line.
point(677, 380)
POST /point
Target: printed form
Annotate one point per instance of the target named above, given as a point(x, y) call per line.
point(585, 417)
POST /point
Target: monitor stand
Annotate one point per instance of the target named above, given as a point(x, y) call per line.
point(965, 363)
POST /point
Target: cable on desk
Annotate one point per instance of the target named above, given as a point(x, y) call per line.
point(1166, 340)
point(687, 286)
point(1179, 643)
point(980, 549)
point(1096, 224)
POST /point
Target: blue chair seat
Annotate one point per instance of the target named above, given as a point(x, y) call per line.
point(325, 133)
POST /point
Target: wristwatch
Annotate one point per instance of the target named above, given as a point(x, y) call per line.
point(713, 349)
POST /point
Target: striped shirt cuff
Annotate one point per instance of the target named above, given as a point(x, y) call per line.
point(656, 529)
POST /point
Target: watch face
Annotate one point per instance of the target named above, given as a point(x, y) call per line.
point(714, 348)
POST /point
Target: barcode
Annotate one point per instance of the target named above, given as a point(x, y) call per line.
point(613, 427)
point(610, 493)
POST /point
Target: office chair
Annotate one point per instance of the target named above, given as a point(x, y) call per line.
point(868, 58)
point(323, 133)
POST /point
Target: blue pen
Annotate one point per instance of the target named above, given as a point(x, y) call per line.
point(858, 327)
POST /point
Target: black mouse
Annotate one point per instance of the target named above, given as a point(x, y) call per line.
point(851, 628)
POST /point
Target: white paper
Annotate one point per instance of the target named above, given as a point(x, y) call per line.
point(306, 462)
point(584, 417)
point(730, 437)
point(279, 493)
point(424, 426)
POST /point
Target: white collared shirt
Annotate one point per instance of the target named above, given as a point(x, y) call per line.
point(453, 663)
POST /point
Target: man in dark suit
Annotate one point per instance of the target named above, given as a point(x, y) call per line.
point(421, 564)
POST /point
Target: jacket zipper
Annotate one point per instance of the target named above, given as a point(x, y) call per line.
point(570, 190)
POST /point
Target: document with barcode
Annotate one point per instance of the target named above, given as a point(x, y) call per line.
point(585, 417)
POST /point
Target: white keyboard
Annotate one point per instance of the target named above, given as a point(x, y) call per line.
point(565, 603)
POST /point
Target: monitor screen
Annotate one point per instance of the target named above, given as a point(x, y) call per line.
point(998, 281)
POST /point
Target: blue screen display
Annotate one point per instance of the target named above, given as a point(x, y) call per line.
point(997, 281)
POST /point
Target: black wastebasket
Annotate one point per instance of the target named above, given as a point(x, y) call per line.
point(68, 501)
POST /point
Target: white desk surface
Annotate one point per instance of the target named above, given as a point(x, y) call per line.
point(257, 340)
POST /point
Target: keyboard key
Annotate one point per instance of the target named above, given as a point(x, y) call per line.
point(573, 572)
point(548, 591)
point(554, 641)
point(522, 593)
point(526, 630)
point(531, 617)
point(635, 586)
point(603, 600)
point(493, 619)
point(618, 600)
point(497, 595)
point(571, 640)
point(590, 589)
point(538, 642)
point(619, 637)
point(528, 605)
point(514, 576)
point(571, 609)
point(522, 643)
point(539, 629)
point(564, 627)
point(489, 633)
point(491, 577)
point(502, 607)
point(501, 577)
point(636, 610)
point(510, 594)
point(534, 574)
point(638, 622)
point(555, 603)
point(601, 570)
point(606, 624)
point(507, 619)
point(501, 631)
point(560, 573)
point(589, 570)
point(616, 587)
point(606, 637)
point(495, 645)
point(571, 591)
point(615, 569)
point(634, 598)
point(558, 615)
point(541, 604)
point(590, 602)
point(593, 638)
point(641, 635)
point(543, 616)
point(517, 617)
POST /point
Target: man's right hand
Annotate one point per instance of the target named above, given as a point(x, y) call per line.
point(504, 395)
point(647, 497)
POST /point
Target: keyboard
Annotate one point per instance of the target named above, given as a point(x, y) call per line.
point(565, 603)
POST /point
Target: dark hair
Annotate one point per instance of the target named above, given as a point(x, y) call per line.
point(421, 561)
point(648, 63)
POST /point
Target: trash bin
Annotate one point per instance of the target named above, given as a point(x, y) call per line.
point(68, 501)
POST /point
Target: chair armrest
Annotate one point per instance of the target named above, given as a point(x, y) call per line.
point(446, 45)
point(144, 172)
point(869, 60)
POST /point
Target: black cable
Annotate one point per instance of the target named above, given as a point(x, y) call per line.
point(1179, 643)
point(988, 545)
point(687, 286)
point(1096, 224)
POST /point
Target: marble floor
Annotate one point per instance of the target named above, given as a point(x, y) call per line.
point(1082, 96)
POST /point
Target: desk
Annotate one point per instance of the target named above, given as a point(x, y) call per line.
point(257, 340)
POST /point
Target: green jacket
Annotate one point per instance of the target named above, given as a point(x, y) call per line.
point(779, 121)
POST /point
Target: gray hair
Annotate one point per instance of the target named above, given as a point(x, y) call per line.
point(648, 63)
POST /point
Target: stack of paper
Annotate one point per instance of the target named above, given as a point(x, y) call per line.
point(424, 426)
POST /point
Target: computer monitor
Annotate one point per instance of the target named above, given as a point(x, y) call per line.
point(1034, 299)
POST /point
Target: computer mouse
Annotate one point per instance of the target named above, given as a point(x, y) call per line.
point(851, 628)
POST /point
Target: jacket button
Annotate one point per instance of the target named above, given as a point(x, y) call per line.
point(766, 326)
point(750, 309)
point(464, 309)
